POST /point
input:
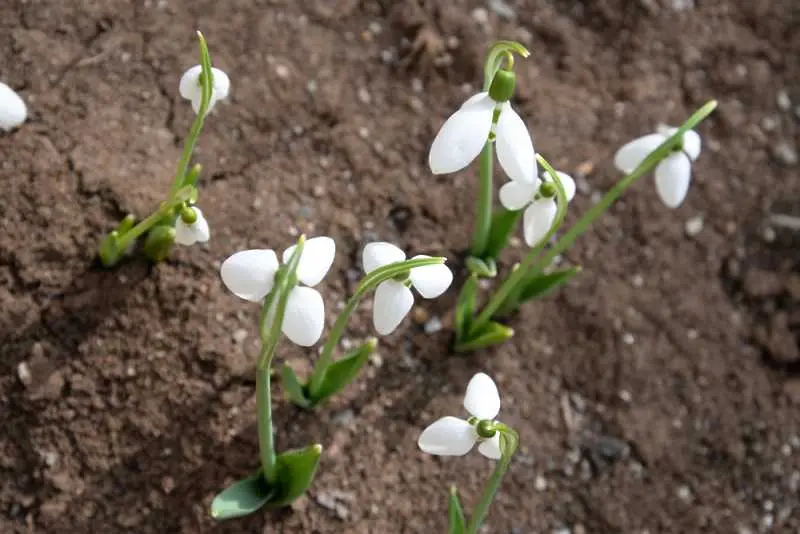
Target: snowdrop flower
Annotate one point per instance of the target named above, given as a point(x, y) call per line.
point(674, 172)
point(452, 436)
point(191, 227)
point(393, 298)
point(540, 199)
point(12, 109)
point(191, 88)
point(485, 116)
point(250, 274)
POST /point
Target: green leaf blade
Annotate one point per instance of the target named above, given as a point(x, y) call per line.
point(492, 333)
point(293, 388)
point(343, 371)
point(241, 498)
point(503, 224)
point(455, 513)
point(294, 472)
point(540, 285)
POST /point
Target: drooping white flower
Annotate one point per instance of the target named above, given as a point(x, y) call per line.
point(13, 111)
point(453, 436)
point(393, 298)
point(674, 173)
point(250, 274)
point(463, 135)
point(540, 210)
point(189, 233)
point(191, 88)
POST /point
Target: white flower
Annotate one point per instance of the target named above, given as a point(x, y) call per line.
point(464, 134)
point(250, 274)
point(191, 88)
point(191, 233)
point(541, 210)
point(393, 299)
point(12, 109)
point(452, 436)
point(673, 173)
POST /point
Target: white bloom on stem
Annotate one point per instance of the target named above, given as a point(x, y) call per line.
point(191, 88)
point(674, 172)
point(463, 135)
point(393, 298)
point(453, 436)
point(250, 274)
point(191, 233)
point(13, 111)
point(540, 210)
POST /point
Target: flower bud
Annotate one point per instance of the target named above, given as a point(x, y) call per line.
point(485, 428)
point(548, 190)
point(159, 241)
point(188, 215)
point(502, 88)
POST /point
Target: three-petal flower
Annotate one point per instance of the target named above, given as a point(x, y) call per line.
point(189, 233)
point(393, 298)
point(191, 88)
point(464, 134)
point(12, 108)
point(452, 436)
point(540, 210)
point(674, 173)
point(250, 274)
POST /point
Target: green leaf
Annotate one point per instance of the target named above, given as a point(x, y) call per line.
point(458, 525)
point(294, 472)
point(293, 388)
point(159, 242)
point(540, 285)
point(242, 498)
point(465, 307)
point(108, 251)
point(342, 372)
point(503, 223)
point(493, 333)
point(483, 268)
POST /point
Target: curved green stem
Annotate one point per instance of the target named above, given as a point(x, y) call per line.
point(499, 51)
point(483, 219)
point(370, 282)
point(176, 199)
point(663, 150)
point(509, 440)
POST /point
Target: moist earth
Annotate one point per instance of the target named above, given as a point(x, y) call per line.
point(659, 392)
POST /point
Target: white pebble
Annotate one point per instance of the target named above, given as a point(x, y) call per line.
point(540, 484)
point(282, 71)
point(480, 15)
point(783, 101)
point(433, 325)
point(694, 225)
point(627, 338)
point(12, 108)
point(24, 374)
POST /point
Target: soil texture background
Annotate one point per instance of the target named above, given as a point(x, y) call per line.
point(659, 392)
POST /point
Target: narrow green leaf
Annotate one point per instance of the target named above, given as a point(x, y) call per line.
point(241, 498)
point(540, 285)
point(492, 333)
point(294, 472)
point(503, 223)
point(465, 307)
point(455, 512)
point(293, 388)
point(342, 372)
point(483, 268)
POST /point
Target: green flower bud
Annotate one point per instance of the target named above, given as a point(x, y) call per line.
point(188, 215)
point(502, 88)
point(159, 241)
point(485, 428)
point(548, 190)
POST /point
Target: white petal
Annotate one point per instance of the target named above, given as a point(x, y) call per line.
point(318, 254)
point(672, 179)
point(222, 84)
point(514, 146)
point(189, 234)
point(304, 317)
point(191, 89)
point(462, 137)
point(393, 301)
point(538, 219)
point(491, 447)
point(431, 280)
point(249, 274)
point(474, 99)
point(380, 253)
point(482, 399)
point(449, 436)
point(632, 154)
point(516, 195)
point(691, 140)
point(12, 108)
point(566, 181)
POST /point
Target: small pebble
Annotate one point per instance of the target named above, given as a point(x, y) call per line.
point(625, 395)
point(239, 335)
point(480, 15)
point(694, 225)
point(637, 280)
point(502, 9)
point(24, 374)
point(433, 325)
point(50, 458)
point(628, 338)
point(785, 153)
point(282, 71)
point(419, 315)
point(363, 96)
point(540, 484)
point(685, 493)
point(783, 101)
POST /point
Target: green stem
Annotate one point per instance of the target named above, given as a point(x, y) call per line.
point(370, 281)
point(483, 221)
point(266, 444)
point(510, 439)
point(144, 225)
point(499, 51)
point(663, 150)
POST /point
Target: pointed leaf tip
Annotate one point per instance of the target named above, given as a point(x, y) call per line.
point(241, 498)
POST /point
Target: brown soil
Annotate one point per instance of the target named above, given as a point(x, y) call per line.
point(659, 392)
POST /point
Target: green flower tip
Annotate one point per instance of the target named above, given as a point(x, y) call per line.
point(485, 428)
point(453, 490)
point(188, 215)
point(548, 190)
point(317, 449)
